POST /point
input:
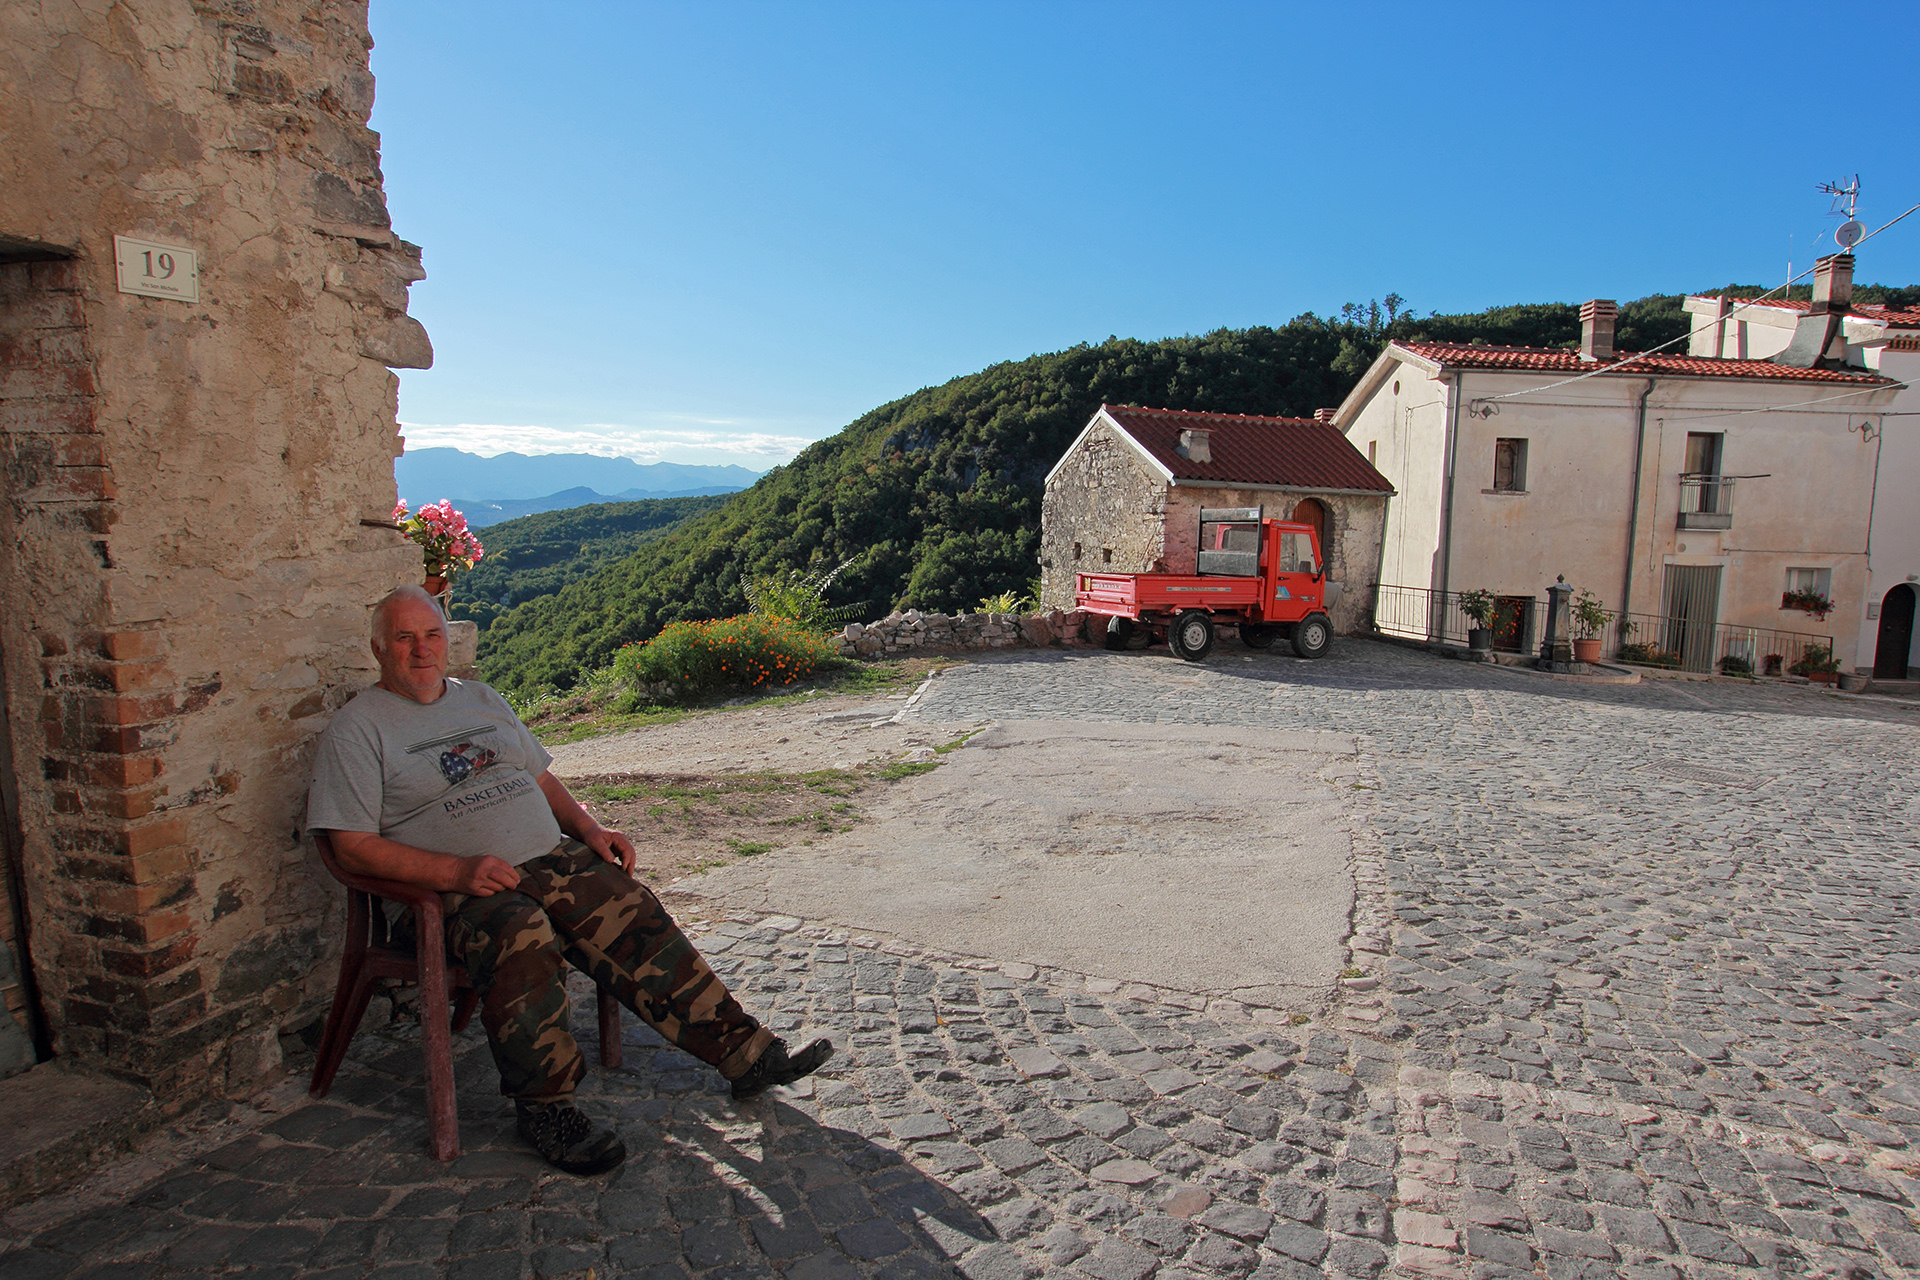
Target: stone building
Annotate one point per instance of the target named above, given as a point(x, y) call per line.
point(201, 302)
point(1126, 496)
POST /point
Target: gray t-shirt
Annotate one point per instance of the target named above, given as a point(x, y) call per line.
point(456, 775)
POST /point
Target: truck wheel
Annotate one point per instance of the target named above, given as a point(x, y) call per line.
point(1258, 635)
point(1191, 636)
point(1119, 631)
point(1313, 636)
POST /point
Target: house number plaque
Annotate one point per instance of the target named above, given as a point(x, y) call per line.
point(156, 270)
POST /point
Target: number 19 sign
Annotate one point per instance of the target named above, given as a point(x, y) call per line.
point(156, 270)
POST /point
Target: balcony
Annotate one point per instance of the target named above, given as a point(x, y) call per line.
point(1706, 500)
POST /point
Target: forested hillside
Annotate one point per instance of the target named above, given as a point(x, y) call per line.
point(537, 555)
point(936, 496)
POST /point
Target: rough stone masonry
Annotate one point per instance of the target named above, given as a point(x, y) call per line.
point(186, 564)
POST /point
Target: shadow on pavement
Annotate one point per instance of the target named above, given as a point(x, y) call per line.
point(344, 1187)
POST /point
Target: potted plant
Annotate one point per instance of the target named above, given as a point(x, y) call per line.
point(1808, 601)
point(447, 546)
point(1818, 665)
point(1735, 665)
point(1479, 607)
point(1589, 620)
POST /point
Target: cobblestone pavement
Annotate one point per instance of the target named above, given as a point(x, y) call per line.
point(1637, 1001)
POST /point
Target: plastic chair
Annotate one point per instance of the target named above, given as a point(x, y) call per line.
point(372, 953)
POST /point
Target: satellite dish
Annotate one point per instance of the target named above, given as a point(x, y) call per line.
point(1849, 233)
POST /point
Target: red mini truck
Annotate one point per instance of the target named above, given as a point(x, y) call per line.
point(1266, 577)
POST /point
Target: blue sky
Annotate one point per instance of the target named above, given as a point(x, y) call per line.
point(713, 232)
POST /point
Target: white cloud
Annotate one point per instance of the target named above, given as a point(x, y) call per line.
point(709, 442)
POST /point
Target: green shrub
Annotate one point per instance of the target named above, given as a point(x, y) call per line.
point(749, 651)
point(801, 597)
point(1735, 665)
point(1648, 655)
point(1005, 602)
point(1818, 659)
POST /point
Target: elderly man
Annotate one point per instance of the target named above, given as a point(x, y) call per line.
point(435, 782)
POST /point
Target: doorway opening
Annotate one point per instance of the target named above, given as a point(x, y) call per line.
point(1314, 512)
point(43, 356)
point(1895, 644)
point(1690, 609)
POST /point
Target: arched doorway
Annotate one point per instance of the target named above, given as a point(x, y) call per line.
point(1314, 512)
point(1896, 634)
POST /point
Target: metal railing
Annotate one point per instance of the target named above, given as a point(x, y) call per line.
point(1419, 613)
point(1706, 500)
point(1650, 639)
point(1646, 639)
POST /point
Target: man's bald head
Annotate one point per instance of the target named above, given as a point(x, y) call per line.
point(382, 625)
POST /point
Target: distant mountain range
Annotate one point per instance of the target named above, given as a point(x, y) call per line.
point(509, 485)
point(481, 512)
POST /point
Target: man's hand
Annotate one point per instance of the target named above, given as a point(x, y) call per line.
point(611, 845)
point(484, 876)
point(367, 854)
point(582, 826)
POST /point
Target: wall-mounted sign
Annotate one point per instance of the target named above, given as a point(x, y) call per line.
point(156, 270)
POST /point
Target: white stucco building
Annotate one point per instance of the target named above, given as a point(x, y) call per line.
point(1884, 340)
point(1691, 486)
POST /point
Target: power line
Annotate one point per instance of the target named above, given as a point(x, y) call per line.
point(1781, 408)
point(1618, 365)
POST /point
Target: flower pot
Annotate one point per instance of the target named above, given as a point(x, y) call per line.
point(435, 585)
point(1824, 677)
point(1480, 638)
point(1587, 650)
point(1853, 682)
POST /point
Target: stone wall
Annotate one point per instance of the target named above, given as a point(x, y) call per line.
point(186, 572)
point(1101, 513)
point(899, 633)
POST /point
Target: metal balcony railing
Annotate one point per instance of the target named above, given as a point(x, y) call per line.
point(1650, 639)
point(1706, 500)
point(1419, 613)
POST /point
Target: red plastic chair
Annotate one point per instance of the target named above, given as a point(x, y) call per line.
point(372, 953)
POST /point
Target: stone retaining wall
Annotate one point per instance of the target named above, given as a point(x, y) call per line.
point(905, 632)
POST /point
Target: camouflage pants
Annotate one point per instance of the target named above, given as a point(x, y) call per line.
point(573, 907)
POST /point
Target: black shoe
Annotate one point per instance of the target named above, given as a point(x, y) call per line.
point(777, 1066)
point(569, 1141)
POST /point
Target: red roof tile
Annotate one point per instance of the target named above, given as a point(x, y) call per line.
point(1559, 360)
point(1296, 452)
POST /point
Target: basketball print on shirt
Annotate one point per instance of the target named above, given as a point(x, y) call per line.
point(459, 755)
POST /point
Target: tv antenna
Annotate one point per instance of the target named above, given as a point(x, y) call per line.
point(1850, 232)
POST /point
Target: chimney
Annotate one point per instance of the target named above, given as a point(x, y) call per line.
point(1193, 445)
point(1832, 283)
point(1324, 415)
point(1596, 329)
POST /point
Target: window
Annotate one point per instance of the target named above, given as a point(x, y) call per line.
point(1076, 551)
point(1106, 555)
point(1509, 466)
point(1373, 453)
point(1818, 581)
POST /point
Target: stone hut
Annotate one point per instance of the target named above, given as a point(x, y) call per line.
point(201, 304)
point(1126, 496)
